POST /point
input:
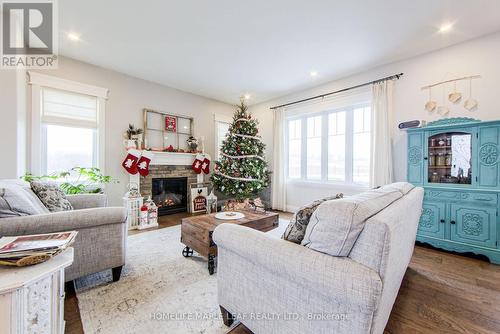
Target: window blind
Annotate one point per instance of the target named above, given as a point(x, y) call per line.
point(62, 107)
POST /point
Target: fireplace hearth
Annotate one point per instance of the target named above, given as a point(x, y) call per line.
point(170, 194)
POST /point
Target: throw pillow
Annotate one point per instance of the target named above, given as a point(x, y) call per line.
point(297, 227)
point(335, 225)
point(51, 196)
point(35, 202)
point(15, 201)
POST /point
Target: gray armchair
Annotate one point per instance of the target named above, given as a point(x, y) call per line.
point(102, 233)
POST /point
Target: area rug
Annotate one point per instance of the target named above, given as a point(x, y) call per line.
point(160, 291)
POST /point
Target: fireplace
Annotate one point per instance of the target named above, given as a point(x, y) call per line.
point(170, 194)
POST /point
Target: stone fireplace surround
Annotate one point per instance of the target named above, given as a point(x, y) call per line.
point(165, 165)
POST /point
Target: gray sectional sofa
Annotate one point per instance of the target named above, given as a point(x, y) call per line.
point(276, 286)
point(102, 231)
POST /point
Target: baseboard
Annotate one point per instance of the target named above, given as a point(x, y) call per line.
point(292, 208)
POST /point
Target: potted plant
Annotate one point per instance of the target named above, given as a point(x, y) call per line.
point(78, 180)
point(133, 137)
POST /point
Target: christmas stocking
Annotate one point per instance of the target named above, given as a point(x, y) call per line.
point(143, 163)
point(197, 164)
point(205, 166)
point(130, 162)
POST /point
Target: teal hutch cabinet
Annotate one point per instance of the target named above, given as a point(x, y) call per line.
point(457, 162)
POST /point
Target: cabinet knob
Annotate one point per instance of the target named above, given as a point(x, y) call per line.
point(426, 158)
point(442, 221)
point(453, 222)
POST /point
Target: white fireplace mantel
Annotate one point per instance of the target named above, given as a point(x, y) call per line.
point(172, 159)
point(169, 159)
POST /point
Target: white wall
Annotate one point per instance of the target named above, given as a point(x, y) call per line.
point(127, 98)
point(479, 56)
point(13, 123)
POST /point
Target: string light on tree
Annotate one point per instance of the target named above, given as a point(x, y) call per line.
point(242, 169)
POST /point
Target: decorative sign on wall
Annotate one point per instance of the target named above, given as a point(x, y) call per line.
point(170, 124)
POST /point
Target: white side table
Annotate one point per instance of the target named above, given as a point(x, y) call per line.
point(32, 298)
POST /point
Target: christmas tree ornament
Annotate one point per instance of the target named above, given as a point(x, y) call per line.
point(143, 163)
point(131, 160)
point(197, 163)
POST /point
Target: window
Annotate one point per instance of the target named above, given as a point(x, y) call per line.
point(221, 129)
point(361, 143)
point(294, 143)
point(67, 124)
point(69, 131)
point(331, 146)
point(314, 148)
point(336, 146)
point(68, 147)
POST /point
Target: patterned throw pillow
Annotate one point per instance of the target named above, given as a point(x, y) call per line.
point(297, 228)
point(51, 196)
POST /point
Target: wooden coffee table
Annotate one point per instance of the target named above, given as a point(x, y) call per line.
point(196, 232)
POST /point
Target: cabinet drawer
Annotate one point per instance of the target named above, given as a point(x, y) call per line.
point(462, 196)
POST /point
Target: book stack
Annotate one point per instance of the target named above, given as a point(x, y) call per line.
point(32, 249)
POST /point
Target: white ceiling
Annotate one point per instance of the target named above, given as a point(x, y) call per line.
point(224, 48)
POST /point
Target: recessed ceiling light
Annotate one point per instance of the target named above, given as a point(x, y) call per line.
point(445, 27)
point(313, 73)
point(73, 36)
point(247, 96)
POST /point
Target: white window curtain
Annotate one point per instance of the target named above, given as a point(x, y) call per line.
point(278, 198)
point(381, 152)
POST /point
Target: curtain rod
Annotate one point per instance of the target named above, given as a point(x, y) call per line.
point(392, 77)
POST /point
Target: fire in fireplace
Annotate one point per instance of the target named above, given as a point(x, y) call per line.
point(170, 194)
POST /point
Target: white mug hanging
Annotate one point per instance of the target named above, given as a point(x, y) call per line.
point(443, 109)
point(470, 104)
point(455, 96)
point(431, 105)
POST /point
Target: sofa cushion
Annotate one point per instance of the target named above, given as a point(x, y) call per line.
point(16, 201)
point(335, 225)
point(297, 227)
point(34, 200)
point(51, 196)
point(403, 187)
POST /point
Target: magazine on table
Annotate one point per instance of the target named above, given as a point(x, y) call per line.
point(36, 244)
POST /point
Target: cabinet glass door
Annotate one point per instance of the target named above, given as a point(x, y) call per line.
point(450, 158)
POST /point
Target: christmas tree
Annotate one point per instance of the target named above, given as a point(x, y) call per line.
point(242, 170)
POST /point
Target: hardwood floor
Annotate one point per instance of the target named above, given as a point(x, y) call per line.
point(441, 293)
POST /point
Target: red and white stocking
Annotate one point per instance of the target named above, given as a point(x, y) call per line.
point(197, 164)
point(143, 163)
point(205, 165)
point(131, 160)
